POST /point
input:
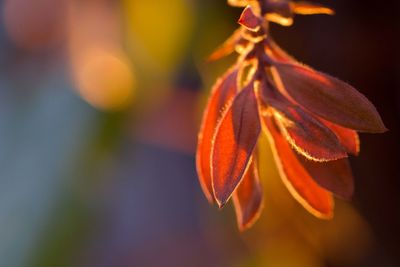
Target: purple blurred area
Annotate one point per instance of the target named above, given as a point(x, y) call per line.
point(98, 125)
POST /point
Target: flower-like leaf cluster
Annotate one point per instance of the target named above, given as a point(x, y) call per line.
point(310, 118)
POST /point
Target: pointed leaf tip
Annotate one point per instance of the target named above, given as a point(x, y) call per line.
point(233, 144)
point(330, 98)
point(223, 91)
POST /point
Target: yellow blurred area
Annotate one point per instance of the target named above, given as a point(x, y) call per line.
point(159, 32)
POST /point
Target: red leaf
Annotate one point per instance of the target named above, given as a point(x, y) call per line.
point(301, 185)
point(347, 137)
point(306, 134)
point(233, 144)
point(249, 20)
point(330, 98)
point(335, 176)
point(248, 197)
point(223, 92)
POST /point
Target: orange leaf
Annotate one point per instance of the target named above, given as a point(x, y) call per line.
point(330, 98)
point(307, 8)
point(233, 144)
point(248, 197)
point(301, 185)
point(335, 176)
point(347, 137)
point(223, 91)
point(227, 47)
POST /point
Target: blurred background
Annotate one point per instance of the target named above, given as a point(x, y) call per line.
point(100, 102)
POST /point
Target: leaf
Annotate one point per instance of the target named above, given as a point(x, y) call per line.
point(227, 47)
point(307, 135)
point(308, 8)
point(335, 176)
point(249, 20)
point(223, 91)
point(248, 197)
point(233, 144)
point(299, 182)
point(347, 137)
point(329, 98)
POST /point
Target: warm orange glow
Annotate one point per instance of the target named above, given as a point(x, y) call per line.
point(104, 79)
point(223, 92)
point(233, 144)
point(305, 8)
point(101, 70)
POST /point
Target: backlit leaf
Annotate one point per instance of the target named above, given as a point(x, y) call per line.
point(330, 98)
point(299, 182)
point(233, 144)
point(223, 91)
point(248, 197)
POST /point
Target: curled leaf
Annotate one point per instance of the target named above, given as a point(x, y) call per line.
point(249, 19)
point(299, 182)
point(223, 91)
point(233, 144)
point(329, 98)
point(248, 197)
